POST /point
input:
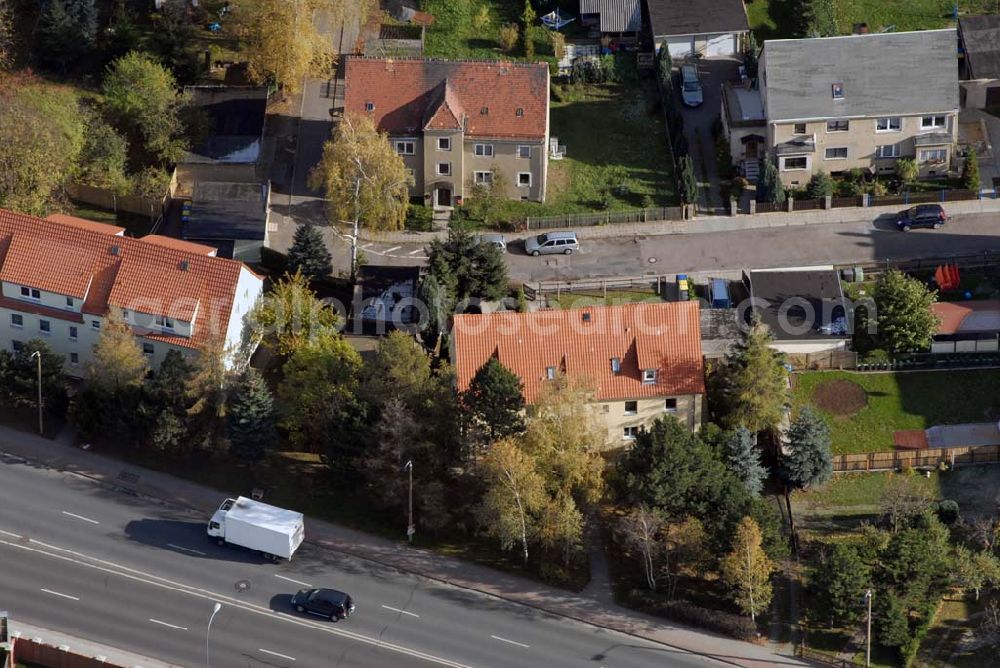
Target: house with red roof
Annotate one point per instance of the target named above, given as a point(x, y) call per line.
point(967, 327)
point(59, 278)
point(457, 123)
point(641, 361)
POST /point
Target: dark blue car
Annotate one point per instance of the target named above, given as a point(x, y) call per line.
point(923, 215)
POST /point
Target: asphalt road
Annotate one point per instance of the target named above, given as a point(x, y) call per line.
point(142, 576)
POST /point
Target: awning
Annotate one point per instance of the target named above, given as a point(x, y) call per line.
point(749, 138)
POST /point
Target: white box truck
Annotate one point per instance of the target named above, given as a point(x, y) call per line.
point(274, 532)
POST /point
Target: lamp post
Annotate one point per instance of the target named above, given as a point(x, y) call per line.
point(410, 528)
point(215, 611)
point(38, 355)
point(868, 634)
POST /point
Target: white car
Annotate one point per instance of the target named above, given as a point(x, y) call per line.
point(691, 93)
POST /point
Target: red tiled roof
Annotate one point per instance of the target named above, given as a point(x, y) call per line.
point(402, 92)
point(665, 337)
point(49, 265)
point(127, 272)
point(179, 244)
point(971, 316)
point(85, 224)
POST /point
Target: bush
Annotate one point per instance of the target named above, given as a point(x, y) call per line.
point(820, 185)
point(419, 218)
point(685, 612)
point(907, 170)
point(509, 36)
point(947, 511)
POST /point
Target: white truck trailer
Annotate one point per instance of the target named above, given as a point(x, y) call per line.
point(274, 532)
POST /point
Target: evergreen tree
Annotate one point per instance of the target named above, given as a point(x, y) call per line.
point(495, 400)
point(20, 377)
point(769, 185)
point(820, 185)
point(689, 180)
point(308, 253)
point(528, 21)
point(752, 386)
point(466, 268)
point(66, 30)
point(840, 582)
point(905, 320)
point(808, 462)
point(168, 387)
point(970, 171)
point(429, 294)
point(251, 417)
point(743, 458)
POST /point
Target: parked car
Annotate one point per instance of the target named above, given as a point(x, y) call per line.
point(497, 240)
point(691, 92)
point(923, 215)
point(552, 242)
point(324, 603)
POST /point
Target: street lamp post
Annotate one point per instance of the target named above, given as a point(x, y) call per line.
point(38, 355)
point(410, 528)
point(868, 634)
point(215, 611)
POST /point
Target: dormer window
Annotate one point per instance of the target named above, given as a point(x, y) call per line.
point(616, 365)
point(648, 376)
point(369, 106)
point(550, 373)
point(485, 111)
point(31, 293)
point(163, 322)
point(69, 302)
point(837, 90)
point(519, 112)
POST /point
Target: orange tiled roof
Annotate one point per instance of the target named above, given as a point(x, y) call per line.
point(126, 272)
point(582, 342)
point(179, 244)
point(85, 224)
point(407, 93)
point(954, 316)
point(68, 267)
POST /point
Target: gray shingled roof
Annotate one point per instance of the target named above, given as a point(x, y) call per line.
point(616, 15)
point(981, 37)
point(886, 74)
point(696, 17)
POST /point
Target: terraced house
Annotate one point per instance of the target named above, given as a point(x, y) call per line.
point(833, 104)
point(456, 123)
point(61, 276)
point(642, 361)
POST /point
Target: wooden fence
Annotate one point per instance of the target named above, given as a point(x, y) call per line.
point(828, 359)
point(26, 650)
point(605, 218)
point(598, 287)
point(105, 199)
point(931, 457)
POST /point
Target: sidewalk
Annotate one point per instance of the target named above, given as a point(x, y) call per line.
point(596, 610)
point(84, 647)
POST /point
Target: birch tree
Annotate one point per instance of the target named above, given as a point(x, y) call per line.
point(515, 494)
point(747, 570)
point(640, 531)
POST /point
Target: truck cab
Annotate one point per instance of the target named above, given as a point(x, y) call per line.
point(217, 525)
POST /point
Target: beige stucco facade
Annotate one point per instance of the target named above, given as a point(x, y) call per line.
point(620, 415)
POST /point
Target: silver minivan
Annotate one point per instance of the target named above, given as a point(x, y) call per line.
point(552, 242)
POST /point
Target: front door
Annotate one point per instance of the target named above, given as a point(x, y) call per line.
point(750, 150)
point(444, 196)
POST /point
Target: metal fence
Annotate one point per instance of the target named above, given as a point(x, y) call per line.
point(597, 287)
point(930, 457)
point(930, 361)
point(965, 261)
point(605, 218)
point(806, 204)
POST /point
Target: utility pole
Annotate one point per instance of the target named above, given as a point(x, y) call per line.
point(410, 529)
point(41, 427)
point(868, 634)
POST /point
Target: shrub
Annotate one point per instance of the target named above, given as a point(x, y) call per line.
point(509, 36)
point(947, 511)
point(820, 185)
point(685, 612)
point(481, 20)
point(907, 170)
point(419, 218)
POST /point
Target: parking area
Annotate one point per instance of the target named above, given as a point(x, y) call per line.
point(698, 121)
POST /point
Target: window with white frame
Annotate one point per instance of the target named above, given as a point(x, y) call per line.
point(550, 372)
point(444, 143)
point(929, 122)
point(629, 433)
point(838, 126)
point(670, 405)
point(483, 150)
point(16, 320)
point(163, 322)
point(836, 153)
point(799, 128)
point(45, 327)
point(524, 179)
point(631, 407)
point(73, 332)
point(444, 169)
point(889, 124)
point(616, 365)
point(797, 162)
point(30, 293)
point(406, 147)
point(524, 151)
point(887, 151)
point(934, 155)
point(649, 375)
point(483, 178)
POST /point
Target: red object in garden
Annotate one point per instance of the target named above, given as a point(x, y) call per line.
point(947, 276)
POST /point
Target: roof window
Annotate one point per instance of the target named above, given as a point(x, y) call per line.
point(485, 111)
point(550, 372)
point(369, 106)
point(586, 316)
point(519, 112)
point(837, 90)
point(616, 365)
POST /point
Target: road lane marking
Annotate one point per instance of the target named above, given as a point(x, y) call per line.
point(298, 582)
point(280, 656)
point(512, 642)
point(10, 533)
point(414, 252)
point(128, 573)
point(402, 612)
point(179, 628)
point(186, 549)
point(55, 593)
point(80, 517)
point(389, 250)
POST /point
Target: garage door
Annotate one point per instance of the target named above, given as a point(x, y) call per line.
point(680, 47)
point(721, 45)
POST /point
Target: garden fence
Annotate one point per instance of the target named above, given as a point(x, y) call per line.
point(828, 359)
point(598, 287)
point(815, 656)
point(28, 651)
point(605, 218)
point(930, 457)
point(105, 199)
point(986, 258)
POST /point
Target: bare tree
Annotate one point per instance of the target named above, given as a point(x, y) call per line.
point(640, 530)
point(904, 497)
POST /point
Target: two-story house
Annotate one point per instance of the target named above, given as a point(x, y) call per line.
point(642, 361)
point(455, 123)
point(857, 101)
point(60, 277)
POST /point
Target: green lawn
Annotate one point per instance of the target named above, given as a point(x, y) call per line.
point(855, 493)
point(454, 33)
point(912, 400)
point(569, 300)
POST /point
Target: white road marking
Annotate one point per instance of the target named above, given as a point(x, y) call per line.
point(136, 575)
point(414, 252)
point(186, 549)
point(298, 582)
point(402, 612)
point(55, 593)
point(512, 642)
point(179, 628)
point(394, 248)
point(280, 656)
point(10, 533)
point(80, 517)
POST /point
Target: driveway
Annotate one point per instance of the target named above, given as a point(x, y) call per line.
point(698, 128)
